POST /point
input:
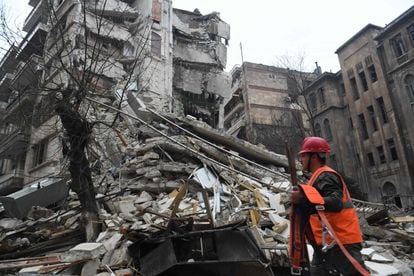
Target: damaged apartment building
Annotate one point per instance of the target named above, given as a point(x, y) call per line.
point(140, 53)
point(266, 106)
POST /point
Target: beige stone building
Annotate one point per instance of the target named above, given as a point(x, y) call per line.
point(379, 154)
point(396, 51)
point(261, 108)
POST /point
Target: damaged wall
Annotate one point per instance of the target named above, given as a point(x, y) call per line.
point(200, 54)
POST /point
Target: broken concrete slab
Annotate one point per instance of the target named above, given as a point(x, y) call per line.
point(84, 251)
point(381, 269)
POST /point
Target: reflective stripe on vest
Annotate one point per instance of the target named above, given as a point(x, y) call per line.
point(345, 222)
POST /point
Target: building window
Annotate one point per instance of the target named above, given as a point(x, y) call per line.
point(393, 149)
point(363, 79)
point(321, 93)
point(398, 45)
point(372, 73)
point(381, 154)
point(312, 99)
point(410, 30)
point(381, 106)
point(372, 116)
point(409, 86)
point(318, 130)
point(40, 152)
point(363, 125)
point(156, 44)
point(354, 88)
point(370, 158)
point(327, 128)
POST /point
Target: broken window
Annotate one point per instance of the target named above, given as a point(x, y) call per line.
point(363, 125)
point(398, 45)
point(39, 152)
point(372, 116)
point(318, 130)
point(392, 149)
point(155, 44)
point(327, 128)
point(321, 94)
point(370, 158)
point(128, 50)
point(381, 105)
point(381, 154)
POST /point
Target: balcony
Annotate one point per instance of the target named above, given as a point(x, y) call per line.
point(26, 74)
point(11, 182)
point(13, 144)
point(34, 16)
point(8, 62)
point(34, 3)
point(33, 43)
point(5, 89)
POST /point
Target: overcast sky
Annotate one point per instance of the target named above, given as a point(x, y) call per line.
point(269, 29)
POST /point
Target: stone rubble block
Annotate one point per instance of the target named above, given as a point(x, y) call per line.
point(84, 251)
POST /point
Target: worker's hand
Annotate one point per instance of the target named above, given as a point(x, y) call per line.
point(297, 196)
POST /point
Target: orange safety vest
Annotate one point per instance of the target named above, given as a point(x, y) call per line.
point(345, 222)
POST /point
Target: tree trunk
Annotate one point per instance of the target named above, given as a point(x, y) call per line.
point(76, 136)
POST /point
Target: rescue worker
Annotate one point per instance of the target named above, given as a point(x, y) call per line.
point(338, 208)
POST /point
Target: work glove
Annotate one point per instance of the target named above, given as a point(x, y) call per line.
point(297, 196)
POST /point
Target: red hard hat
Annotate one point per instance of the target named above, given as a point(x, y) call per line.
point(315, 144)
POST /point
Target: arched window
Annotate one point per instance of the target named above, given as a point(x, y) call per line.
point(389, 189)
point(409, 86)
point(318, 130)
point(327, 128)
point(390, 195)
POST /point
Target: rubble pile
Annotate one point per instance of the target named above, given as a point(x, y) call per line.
point(180, 198)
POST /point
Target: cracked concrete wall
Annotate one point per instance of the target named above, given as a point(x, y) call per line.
point(199, 58)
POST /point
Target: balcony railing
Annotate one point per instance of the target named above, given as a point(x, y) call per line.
point(13, 144)
point(34, 16)
point(11, 182)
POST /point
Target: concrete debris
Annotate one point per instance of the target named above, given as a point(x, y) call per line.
point(185, 192)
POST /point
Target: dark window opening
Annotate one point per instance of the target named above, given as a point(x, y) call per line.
point(409, 86)
point(327, 128)
point(363, 125)
point(39, 153)
point(372, 116)
point(156, 44)
point(363, 79)
point(410, 30)
point(398, 45)
point(312, 99)
point(321, 93)
point(372, 73)
point(318, 130)
point(370, 158)
point(354, 88)
point(381, 105)
point(381, 154)
point(393, 149)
